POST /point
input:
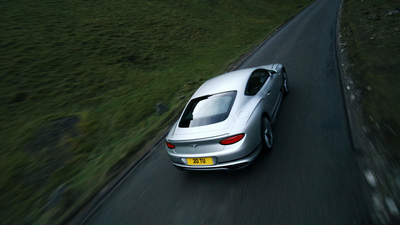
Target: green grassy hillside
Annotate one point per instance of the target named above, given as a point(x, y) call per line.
point(79, 82)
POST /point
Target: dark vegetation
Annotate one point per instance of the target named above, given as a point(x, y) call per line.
point(371, 30)
point(370, 35)
point(80, 80)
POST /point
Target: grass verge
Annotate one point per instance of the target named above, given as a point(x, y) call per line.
point(80, 80)
point(371, 31)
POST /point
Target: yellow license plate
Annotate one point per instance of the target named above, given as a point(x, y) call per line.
point(199, 161)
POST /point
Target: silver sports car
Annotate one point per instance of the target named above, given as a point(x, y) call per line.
point(228, 120)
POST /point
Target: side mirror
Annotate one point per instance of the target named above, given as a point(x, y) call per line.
point(272, 72)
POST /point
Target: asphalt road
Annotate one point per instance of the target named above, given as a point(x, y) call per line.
point(311, 176)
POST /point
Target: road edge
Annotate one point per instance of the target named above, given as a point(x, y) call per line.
point(352, 119)
point(84, 212)
point(243, 59)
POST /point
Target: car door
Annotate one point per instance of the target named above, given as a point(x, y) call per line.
point(262, 84)
point(272, 92)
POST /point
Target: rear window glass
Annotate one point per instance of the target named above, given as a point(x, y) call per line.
point(208, 109)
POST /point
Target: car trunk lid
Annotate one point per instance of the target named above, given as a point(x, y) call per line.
point(204, 139)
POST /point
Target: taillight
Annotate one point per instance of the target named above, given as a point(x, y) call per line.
point(169, 145)
point(232, 139)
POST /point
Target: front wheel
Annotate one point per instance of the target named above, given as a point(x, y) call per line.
point(285, 83)
point(267, 136)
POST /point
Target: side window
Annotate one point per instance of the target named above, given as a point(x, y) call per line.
point(256, 81)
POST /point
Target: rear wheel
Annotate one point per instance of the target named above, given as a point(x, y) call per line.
point(266, 134)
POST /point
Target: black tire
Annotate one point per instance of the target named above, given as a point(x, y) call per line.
point(285, 83)
point(267, 137)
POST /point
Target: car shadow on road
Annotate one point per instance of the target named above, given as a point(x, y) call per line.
point(228, 175)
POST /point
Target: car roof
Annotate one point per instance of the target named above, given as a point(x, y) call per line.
point(231, 81)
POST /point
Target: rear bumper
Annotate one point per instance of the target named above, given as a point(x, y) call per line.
point(231, 165)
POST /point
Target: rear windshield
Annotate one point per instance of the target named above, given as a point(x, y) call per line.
point(208, 109)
